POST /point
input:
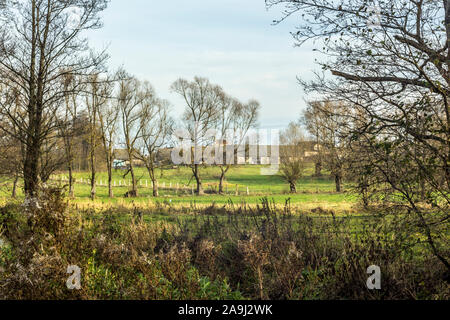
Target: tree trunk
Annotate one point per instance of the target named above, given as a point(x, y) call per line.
point(151, 173)
point(338, 181)
point(30, 169)
point(447, 111)
point(134, 191)
point(34, 112)
point(14, 190)
point(318, 169)
point(365, 196)
point(198, 180)
point(93, 187)
point(155, 188)
point(222, 178)
point(110, 187)
point(293, 187)
point(71, 184)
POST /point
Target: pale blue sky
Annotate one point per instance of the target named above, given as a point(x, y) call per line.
point(231, 42)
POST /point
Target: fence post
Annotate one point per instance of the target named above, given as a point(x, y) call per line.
point(248, 191)
point(237, 190)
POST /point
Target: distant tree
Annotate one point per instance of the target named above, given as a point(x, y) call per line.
point(67, 127)
point(11, 157)
point(97, 97)
point(202, 101)
point(292, 155)
point(234, 122)
point(325, 124)
point(11, 146)
point(135, 101)
point(311, 120)
point(108, 117)
point(156, 134)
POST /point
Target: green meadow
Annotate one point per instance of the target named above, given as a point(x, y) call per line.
point(244, 184)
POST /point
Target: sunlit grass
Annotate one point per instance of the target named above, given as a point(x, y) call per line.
point(176, 187)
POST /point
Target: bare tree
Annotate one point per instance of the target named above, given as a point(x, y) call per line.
point(201, 115)
point(135, 102)
point(67, 126)
point(11, 157)
point(292, 155)
point(311, 120)
point(234, 123)
point(156, 134)
point(11, 146)
point(97, 97)
point(326, 125)
point(108, 117)
point(39, 42)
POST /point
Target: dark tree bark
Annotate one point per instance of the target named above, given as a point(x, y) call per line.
point(195, 171)
point(338, 183)
point(14, 189)
point(221, 181)
point(318, 169)
point(293, 186)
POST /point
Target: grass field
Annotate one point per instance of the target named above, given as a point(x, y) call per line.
point(312, 191)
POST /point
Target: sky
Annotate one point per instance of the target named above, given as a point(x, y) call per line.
point(232, 42)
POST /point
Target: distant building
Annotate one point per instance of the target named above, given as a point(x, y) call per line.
point(121, 159)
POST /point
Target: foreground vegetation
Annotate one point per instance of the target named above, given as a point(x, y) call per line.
point(219, 252)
